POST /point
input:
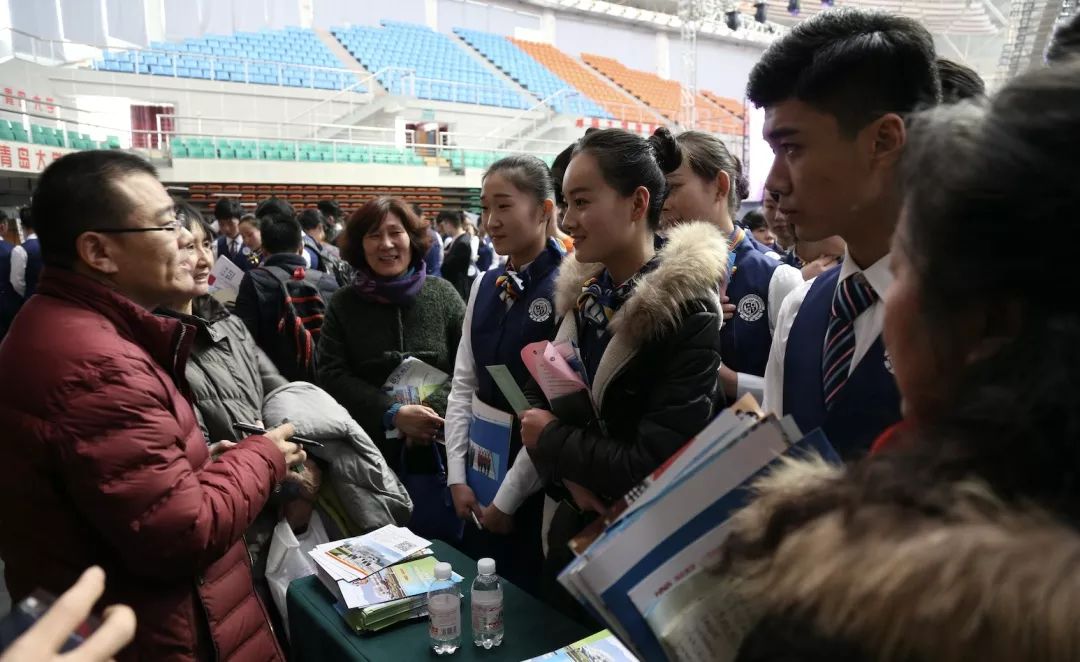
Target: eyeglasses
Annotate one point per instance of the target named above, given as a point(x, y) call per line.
point(173, 226)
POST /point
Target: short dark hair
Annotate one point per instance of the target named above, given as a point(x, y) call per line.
point(959, 82)
point(369, 217)
point(77, 192)
point(527, 173)
point(274, 205)
point(310, 219)
point(281, 233)
point(189, 217)
point(1065, 43)
point(329, 208)
point(228, 208)
point(754, 220)
point(853, 64)
point(26, 219)
point(250, 218)
point(454, 217)
point(627, 161)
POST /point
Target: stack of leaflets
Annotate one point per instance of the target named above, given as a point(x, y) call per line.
point(380, 578)
point(601, 646)
point(648, 571)
point(412, 383)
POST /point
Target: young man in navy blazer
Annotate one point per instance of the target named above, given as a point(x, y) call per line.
point(230, 244)
point(837, 91)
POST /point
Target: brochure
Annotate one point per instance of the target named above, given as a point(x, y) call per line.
point(489, 450)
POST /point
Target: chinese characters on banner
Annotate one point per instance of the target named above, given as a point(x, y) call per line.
point(35, 103)
point(20, 157)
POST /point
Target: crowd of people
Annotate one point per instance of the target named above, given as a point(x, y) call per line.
point(878, 294)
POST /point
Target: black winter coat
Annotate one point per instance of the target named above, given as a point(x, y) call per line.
point(656, 384)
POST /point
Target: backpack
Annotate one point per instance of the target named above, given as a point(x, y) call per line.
point(341, 270)
point(294, 348)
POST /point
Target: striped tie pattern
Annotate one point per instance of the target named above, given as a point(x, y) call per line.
point(853, 297)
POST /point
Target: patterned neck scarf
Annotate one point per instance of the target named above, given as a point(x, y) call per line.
point(600, 298)
point(512, 284)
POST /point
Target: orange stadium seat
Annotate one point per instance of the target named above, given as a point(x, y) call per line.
point(664, 95)
point(573, 72)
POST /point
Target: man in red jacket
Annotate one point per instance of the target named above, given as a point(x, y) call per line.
point(106, 464)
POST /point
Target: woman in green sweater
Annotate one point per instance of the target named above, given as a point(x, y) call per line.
point(391, 311)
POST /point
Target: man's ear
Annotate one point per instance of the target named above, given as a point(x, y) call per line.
point(887, 137)
point(97, 252)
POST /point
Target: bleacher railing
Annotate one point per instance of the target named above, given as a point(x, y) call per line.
point(458, 92)
point(247, 129)
point(249, 70)
point(26, 46)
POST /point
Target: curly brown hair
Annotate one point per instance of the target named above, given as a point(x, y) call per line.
point(370, 217)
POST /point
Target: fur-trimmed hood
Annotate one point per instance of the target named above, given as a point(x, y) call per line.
point(692, 264)
point(984, 581)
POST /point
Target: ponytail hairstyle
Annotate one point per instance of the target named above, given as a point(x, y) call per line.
point(708, 156)
point(627, 161)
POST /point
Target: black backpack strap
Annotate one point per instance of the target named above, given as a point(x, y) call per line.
point(277, 272)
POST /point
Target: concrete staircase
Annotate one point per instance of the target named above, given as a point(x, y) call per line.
point(348, 61)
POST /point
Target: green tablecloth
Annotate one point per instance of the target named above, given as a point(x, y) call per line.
point(318, 633)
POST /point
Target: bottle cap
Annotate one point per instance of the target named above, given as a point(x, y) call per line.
point(486, 566)
point(442, 570)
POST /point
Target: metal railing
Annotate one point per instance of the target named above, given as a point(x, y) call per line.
point(23, 45)
point(367, 80)
point(246, 129)
point(242, 70)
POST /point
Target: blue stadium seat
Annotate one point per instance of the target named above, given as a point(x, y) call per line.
point(296, 46)
point(529, 73)
point(436, 59)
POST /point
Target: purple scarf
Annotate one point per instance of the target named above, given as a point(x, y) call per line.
point(400, 291)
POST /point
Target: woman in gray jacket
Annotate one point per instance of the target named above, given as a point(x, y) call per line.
point(228, 374)
point(229, 378)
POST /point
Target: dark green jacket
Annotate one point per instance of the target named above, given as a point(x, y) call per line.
point(362, 342)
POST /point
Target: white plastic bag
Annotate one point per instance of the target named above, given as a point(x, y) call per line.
point(288, 559)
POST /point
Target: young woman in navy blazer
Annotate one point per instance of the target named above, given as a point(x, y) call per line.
point(509, 308)
point(705, 182)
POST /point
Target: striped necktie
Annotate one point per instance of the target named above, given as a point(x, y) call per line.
point(852, 298)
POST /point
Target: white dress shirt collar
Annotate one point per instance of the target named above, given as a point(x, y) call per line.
point(877, 274)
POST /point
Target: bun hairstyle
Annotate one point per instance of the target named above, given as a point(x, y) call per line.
point(627, 161)
point(707, 155)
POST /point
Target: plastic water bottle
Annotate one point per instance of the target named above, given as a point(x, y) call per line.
point(487, 606)
point(444, 610)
